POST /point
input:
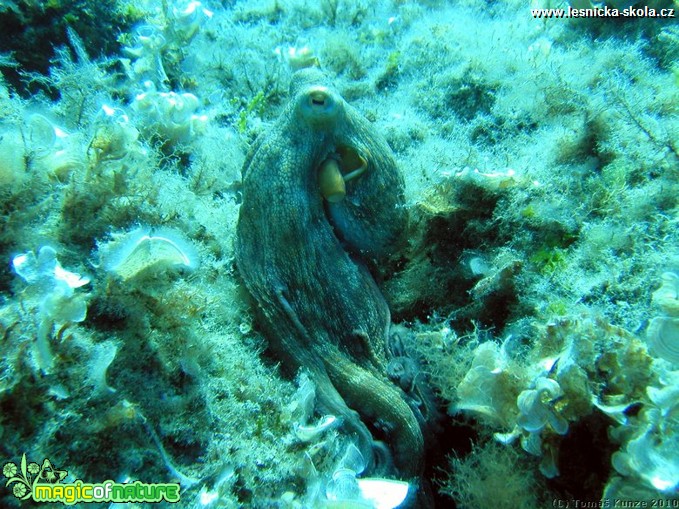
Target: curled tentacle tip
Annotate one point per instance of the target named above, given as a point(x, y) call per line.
point(331, 181)
point(346, 165)
point(353, 163)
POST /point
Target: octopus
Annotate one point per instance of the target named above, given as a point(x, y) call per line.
point(322, 206)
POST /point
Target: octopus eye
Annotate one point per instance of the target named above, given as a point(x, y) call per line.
point(318, 99)
point(319, 105)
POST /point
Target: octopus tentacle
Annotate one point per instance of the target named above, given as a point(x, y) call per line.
point(322, 199)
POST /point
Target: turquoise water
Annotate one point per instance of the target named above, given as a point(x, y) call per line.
point(533, 291)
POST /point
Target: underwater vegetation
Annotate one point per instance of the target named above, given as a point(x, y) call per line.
point(517, 337)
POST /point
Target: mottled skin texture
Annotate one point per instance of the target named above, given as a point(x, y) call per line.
point(304, 261)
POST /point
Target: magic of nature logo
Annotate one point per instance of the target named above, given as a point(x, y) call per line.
point(44, 483)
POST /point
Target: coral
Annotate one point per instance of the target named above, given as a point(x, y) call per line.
point(489, 389)
point(649, 453)
point(102, 355)
point(575, 366)
point(647, 457)
point(54, 152)
point(147, 42)
point(667, 296)
point(297, 58)
point(302, 409)
point(189, 18)
point(114, 137)
point(663, 331)
point(536, 406)
point(146, 251)
point(170, 115)
point(157, 47)
point(13, 161)
point(346, 488)
point(51, 294)
point(663, 338)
